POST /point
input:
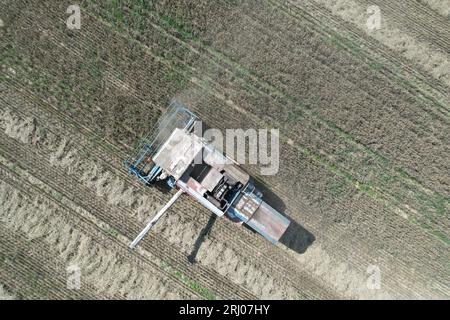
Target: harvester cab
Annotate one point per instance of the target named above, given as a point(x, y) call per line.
point(175, 153)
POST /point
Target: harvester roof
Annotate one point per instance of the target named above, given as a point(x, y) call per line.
point(178, 152)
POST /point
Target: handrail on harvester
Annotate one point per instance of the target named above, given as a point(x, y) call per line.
point(177, 116)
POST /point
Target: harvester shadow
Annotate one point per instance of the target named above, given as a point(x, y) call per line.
point(163, 187)
point(201, 238)
point(296, 237)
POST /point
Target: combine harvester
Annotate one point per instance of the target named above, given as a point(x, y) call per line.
point(176, 154)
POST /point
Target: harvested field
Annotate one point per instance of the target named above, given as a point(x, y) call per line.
point(4, 294)
point(405, 29)
point(364, 132)
point(441, 6)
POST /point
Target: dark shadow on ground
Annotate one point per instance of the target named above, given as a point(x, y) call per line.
point(162, 186)
point(296, 237)
point(201, 238)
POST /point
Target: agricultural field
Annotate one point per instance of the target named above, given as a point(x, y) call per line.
point(364, 120)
